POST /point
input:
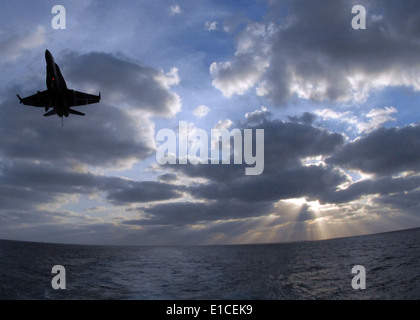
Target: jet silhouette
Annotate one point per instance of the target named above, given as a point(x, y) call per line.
point(57, 96)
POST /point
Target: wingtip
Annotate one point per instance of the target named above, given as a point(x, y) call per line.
point(20, 99)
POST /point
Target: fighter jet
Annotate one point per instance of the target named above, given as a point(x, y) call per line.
point(57, 96)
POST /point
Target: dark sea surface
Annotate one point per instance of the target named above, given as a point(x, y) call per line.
point(301, 270)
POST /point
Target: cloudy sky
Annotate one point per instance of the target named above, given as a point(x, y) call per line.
point(339, 108)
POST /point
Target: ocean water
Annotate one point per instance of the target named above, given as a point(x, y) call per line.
point(301, 270)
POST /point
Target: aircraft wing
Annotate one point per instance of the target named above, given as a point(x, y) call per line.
point(81, 99)
point(39, 99)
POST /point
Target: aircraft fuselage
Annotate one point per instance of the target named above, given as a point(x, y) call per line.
point(56, 86)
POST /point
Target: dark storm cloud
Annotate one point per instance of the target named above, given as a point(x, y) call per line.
point(46, 178)
point(382, 186)
point(288, 142)
point(12, 198)
point(217, 173)
point(168, 177)
point(145, 191)
point(309, 49)
point(24, 185)
point(123, 81)
point(306, 118)
point(311, 181)
point(403, 201)
point(383, 152)
point(181, 213)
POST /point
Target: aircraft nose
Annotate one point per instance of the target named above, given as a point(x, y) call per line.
point(48, 56)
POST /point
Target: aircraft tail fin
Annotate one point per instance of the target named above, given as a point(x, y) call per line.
point(76, 112)
point(52, 112)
